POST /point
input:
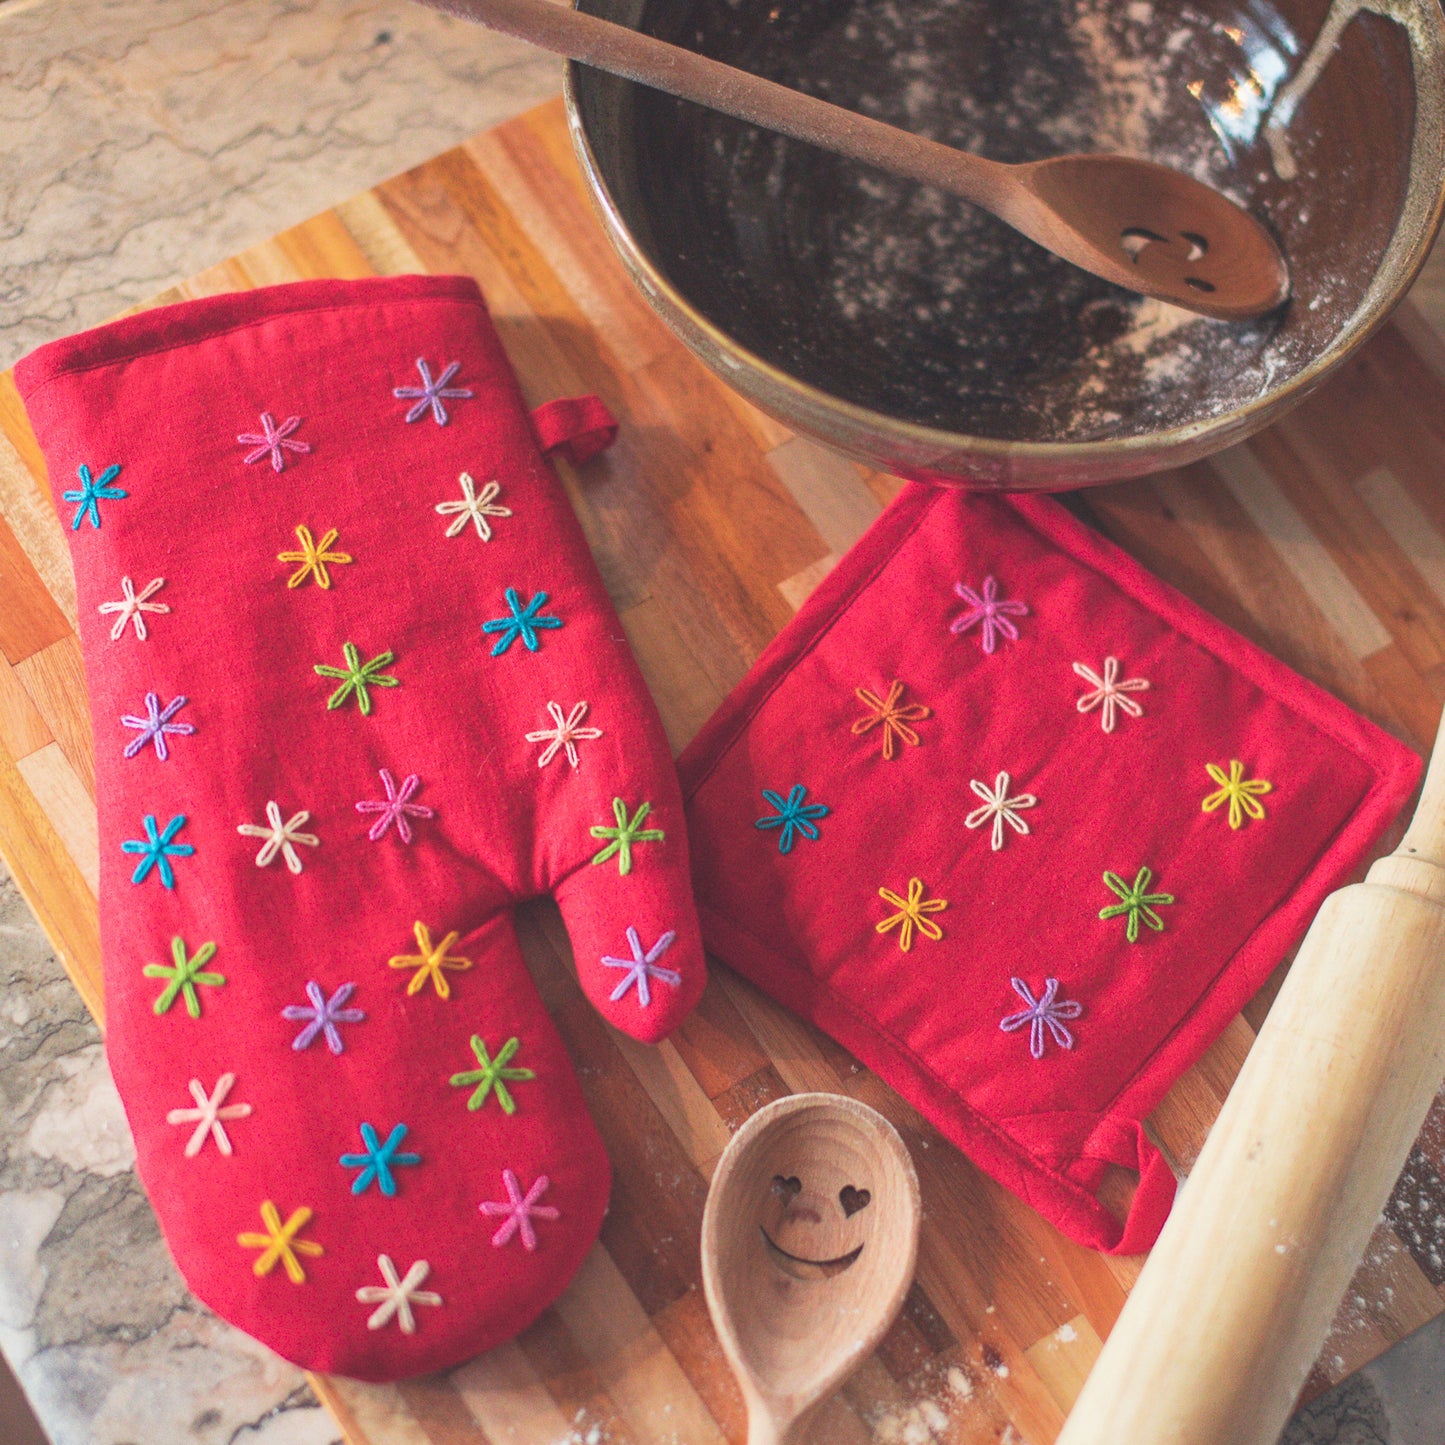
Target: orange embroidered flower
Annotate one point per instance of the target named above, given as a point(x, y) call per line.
point(891, 715)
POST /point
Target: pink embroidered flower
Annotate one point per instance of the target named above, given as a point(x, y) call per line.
point(395, 808)
point(273, 441)
point(519, 1210)
point(990, 613)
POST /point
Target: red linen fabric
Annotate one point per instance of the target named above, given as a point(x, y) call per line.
point(981, 607)
point(400, 834)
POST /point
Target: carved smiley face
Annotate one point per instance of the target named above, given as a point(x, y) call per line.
point(815, 1226)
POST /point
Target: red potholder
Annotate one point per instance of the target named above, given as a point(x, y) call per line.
point(1023, 829)
point(356, 690)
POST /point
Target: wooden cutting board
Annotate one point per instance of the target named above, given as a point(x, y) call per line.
point(1324, 540)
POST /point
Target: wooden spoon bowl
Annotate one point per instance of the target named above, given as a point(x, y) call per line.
point(809, 1241)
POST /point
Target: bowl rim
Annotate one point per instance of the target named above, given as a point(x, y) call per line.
point(1374, 309)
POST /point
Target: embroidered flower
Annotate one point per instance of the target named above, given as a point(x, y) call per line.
point(431, 394)
point(433, 962)
point(357, 677)
point(988, 612)
point(92, 492)
point(323, 1016)
point(157, 849)
point(273, 441)
point(314, 557)
point(624, 835)
point(397, 1295)
point(279, 1243)
point(378, 1161)
point(567, 733)
point(184, 976)
point(492, 1076)
point(524, 622)
point(208, 1116)
point(911, 914)
point(1137, 902)
point(155, 725)
point(1109, 693)
point(1042, 1013)
point(473, 508)
point(892, 715)
point(642, 967)
point(397, 807)
point(519, 1210)
point(1000, 807)
point(1241, 793)
point(791, 816)
point(133, 606)
point(280, 836)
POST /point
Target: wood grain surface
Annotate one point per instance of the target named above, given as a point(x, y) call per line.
point(1323, 540)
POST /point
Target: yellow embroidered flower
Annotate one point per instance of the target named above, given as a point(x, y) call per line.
point(279, 1243)
point(910, 915)
point(314, 557)
point(430, 962)
point(1240, 793)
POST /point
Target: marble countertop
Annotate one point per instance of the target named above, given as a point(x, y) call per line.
point(141, 141)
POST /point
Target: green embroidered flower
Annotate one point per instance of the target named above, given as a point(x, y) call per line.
point(491, 1077)
point(184, 976)
point(625, 834)
point(1136, 903)
point(356, 677)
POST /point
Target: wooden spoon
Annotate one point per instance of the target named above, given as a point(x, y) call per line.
point(809, 1240)
point(1140, 225)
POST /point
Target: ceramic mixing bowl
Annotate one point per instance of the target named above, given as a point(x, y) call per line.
point(926, 338)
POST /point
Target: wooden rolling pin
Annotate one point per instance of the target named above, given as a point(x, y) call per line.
point(1233, 1305)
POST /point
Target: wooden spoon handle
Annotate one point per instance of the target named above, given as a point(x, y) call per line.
point(670, 68)
point(1231, 1309)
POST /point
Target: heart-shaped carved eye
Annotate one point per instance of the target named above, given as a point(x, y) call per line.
point(852, 1199)
point(787, 1189)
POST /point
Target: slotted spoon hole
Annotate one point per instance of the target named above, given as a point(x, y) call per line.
point(1198, 283)
point(1198, 245)
point(1133, 240)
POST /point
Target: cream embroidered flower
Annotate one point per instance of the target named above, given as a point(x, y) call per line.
point(280, 837)
point(1109, 693)
point(133, 606)
point(474, 508)
point(1000, 807)
point(566, 735)
point(397, 1295)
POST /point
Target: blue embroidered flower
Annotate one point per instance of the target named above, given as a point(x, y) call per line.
point(378, 1161)
point(524, 623)
point(92, 492)
point(157, 849)
point(792, 817)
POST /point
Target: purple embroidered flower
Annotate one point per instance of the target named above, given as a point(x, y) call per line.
point(430, 393)
point(395, 808)
point(1042, 1013)
point(519, 1210)
point(155, 725)
point(990, 611)
point(324, 1014)
point(642, 967)
point(273, 441)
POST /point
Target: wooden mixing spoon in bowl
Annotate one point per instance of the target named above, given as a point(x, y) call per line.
point(1143, 226)
point(809, 1239)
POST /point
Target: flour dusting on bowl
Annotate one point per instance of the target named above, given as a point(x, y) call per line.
point(913, 302)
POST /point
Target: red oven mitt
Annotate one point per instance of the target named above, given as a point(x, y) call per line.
point(356, 690)
point(1023, 829)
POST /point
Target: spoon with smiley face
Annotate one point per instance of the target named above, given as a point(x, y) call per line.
point(1141, 225)
point(809, 1240)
